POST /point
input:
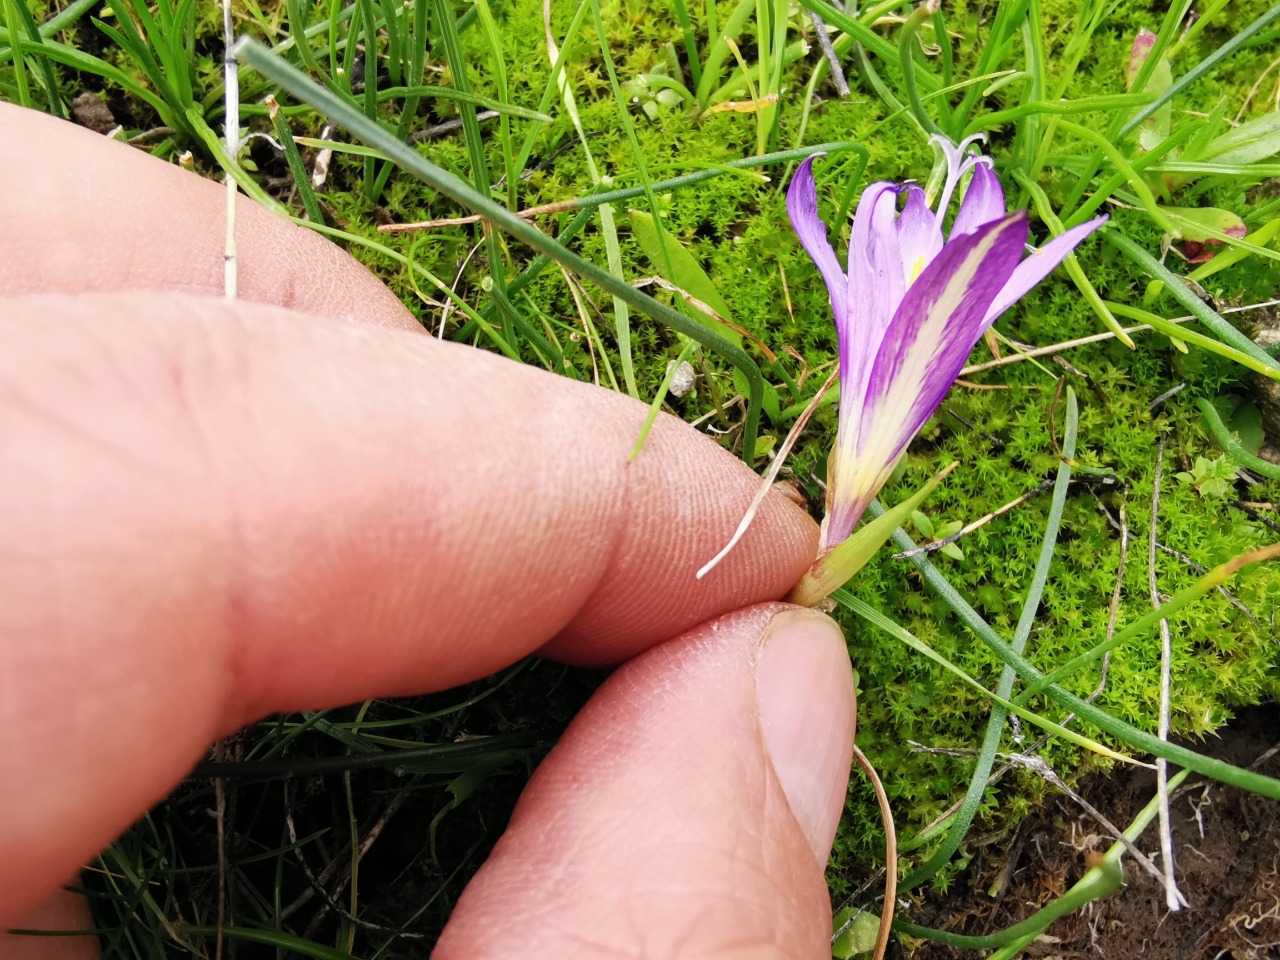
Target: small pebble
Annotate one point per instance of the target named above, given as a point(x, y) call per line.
point(682, 380)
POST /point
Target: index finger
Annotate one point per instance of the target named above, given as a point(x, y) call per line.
point(214, 510)
point(85, 214)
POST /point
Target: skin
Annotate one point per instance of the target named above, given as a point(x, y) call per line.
point(211, 511)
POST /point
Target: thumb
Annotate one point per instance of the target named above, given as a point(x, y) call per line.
point(688, 811)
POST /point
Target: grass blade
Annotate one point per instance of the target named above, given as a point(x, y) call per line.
point(60, 21)
point(1199, 70)
point(1209, 582)
point(299, 85)
point(1097, 882)
point(1193, 304)
point(1022, 632)
point(879, 620)
point(301, 179)
point(35, 43)
point(1177, 332)
point(1070, 263)
point(1228, 443)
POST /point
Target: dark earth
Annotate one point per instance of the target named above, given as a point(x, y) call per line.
point(1227, 850)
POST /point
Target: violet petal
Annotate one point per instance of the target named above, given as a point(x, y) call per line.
point(802, 208)
point(1038, 265)
point(982, 203)
point(872, 296)
point(922, 352)
point(919, 236)
point(883, 257)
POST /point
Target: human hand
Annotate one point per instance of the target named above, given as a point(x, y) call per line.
point(216, 510)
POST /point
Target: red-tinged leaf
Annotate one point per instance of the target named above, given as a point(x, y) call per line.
point(1205, 224)
point(1156, 127)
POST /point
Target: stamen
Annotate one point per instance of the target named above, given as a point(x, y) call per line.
point(958, 164)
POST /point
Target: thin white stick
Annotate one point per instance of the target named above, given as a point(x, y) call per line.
point(766, 483)
point(231, 132)
point(1093, 338)
point(1173, 897)
point(320, 169)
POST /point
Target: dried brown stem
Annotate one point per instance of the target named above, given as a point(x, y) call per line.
point(890, 855)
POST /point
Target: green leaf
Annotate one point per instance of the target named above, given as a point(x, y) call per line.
point(1212, 479)
point(949, 529)
point(859, 938)
point(1228, 443)
point(922, 523)
point(1243, 419)
point(1204, 223)
point(769, 402)
point(1246, 423)
point(677, 265)
point(1203, 133)
point(1250, 142)
point(773, 409)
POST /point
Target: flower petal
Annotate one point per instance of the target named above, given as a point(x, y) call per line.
point(982, 203)
point(922, 352)
point(875, 235)
point(1038, 265)
point(919, 236)
point(875, 283)
point(802, 208)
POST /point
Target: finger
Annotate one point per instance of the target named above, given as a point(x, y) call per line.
point(211, 511)
point(688, 811)
point(93, 214)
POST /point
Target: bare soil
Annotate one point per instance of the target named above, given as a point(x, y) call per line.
point(1226, 847)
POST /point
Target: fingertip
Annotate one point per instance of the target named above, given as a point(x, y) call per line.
point(670, 536)
point(292, 515)
point(673, 815)
point(808, 709)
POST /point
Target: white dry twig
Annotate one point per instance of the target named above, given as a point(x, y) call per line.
point(231, 132)
point(1093, 338)
point(1173, 897)
point(320, 169)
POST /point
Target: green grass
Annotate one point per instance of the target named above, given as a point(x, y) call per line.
point(1038, 579)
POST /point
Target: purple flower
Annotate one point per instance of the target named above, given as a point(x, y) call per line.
point(909, 309)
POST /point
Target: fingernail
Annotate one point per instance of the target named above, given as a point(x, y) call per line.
point(804, 685)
